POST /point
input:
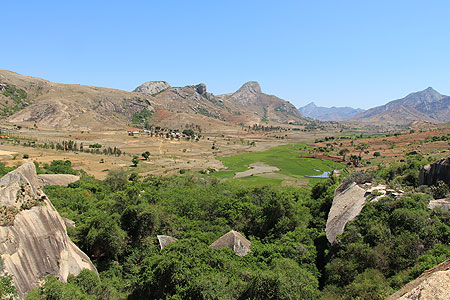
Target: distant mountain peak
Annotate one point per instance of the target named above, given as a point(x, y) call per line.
point(251, 87)
point(310, 104)
point(428, 105)
point(311, 110)
point(248, 93)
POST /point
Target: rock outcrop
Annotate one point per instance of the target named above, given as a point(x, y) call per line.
point(152, 87)
point(347, 204)
point(433, 284)
point(348, 201)
point(442, 203)
point(233, 240)
point(56, 179)
point(165, 240)
point(439, 170)
point(201, 88)
point(248, 93)
point(34, 243)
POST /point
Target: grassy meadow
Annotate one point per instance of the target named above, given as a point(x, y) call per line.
point(284, 157)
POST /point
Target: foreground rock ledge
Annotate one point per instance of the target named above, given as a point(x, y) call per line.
point(433, 284)
point(36, 243)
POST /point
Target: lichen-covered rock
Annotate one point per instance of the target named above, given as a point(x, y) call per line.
point(56, 179)
point(36, 243)
point(442, 203)
point(233, 240)
point(346, 206)
point(165, 240)
point(439, 170)
point(152, 87)
point(433, 284)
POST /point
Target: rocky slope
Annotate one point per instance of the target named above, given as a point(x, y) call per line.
point(33, 102)
point(266, 107)
point(249, 105)
point(433, 284)
point(152, 87)
point(66, 106)
point(426, 105)
point(334, 113)
point(33, 237)
point(439, 170)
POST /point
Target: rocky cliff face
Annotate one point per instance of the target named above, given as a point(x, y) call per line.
point(33, 237)
point(152, 87)
point(431, 174)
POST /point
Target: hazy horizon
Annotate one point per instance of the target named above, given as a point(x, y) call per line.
point(333, 54)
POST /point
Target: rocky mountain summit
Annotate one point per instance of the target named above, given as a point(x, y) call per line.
point(426, 105)
point(247, 93)
point(152, 87)
point(33, 237)
point(248, 105)
point(249, 97)
point(333, 113)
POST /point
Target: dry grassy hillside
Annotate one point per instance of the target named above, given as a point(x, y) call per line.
point(37, 103)
point(69, 106)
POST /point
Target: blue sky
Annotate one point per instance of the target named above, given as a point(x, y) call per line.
point(355, 53)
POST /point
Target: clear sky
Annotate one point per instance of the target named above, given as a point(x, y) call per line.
point(355, 53)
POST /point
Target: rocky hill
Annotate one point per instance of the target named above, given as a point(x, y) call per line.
point(426, 105)
point(34, 102)
point(68, 106)
point(251, 99)
point(249, 105)
point(334, 113)
point(33, 237)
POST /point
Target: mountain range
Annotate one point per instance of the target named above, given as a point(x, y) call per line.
point(34, 102)
point(334, 113)
point(427, 105)
point(29, 101)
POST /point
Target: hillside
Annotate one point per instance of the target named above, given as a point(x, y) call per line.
point(38, 103)
point(333, 113)
point(249, 105)
point(427, 105)
point(41, 103)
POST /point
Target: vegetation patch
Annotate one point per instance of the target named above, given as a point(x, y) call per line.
point(7, 215)
point(285, 157)
point(17, 100)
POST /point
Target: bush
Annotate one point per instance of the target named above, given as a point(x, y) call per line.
point(358, 178)
point(376, 154)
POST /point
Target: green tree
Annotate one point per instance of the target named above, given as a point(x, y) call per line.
point(146, 155)
point(7, 289)
point(343, 153)
point(361, 147)
point(135, 161)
